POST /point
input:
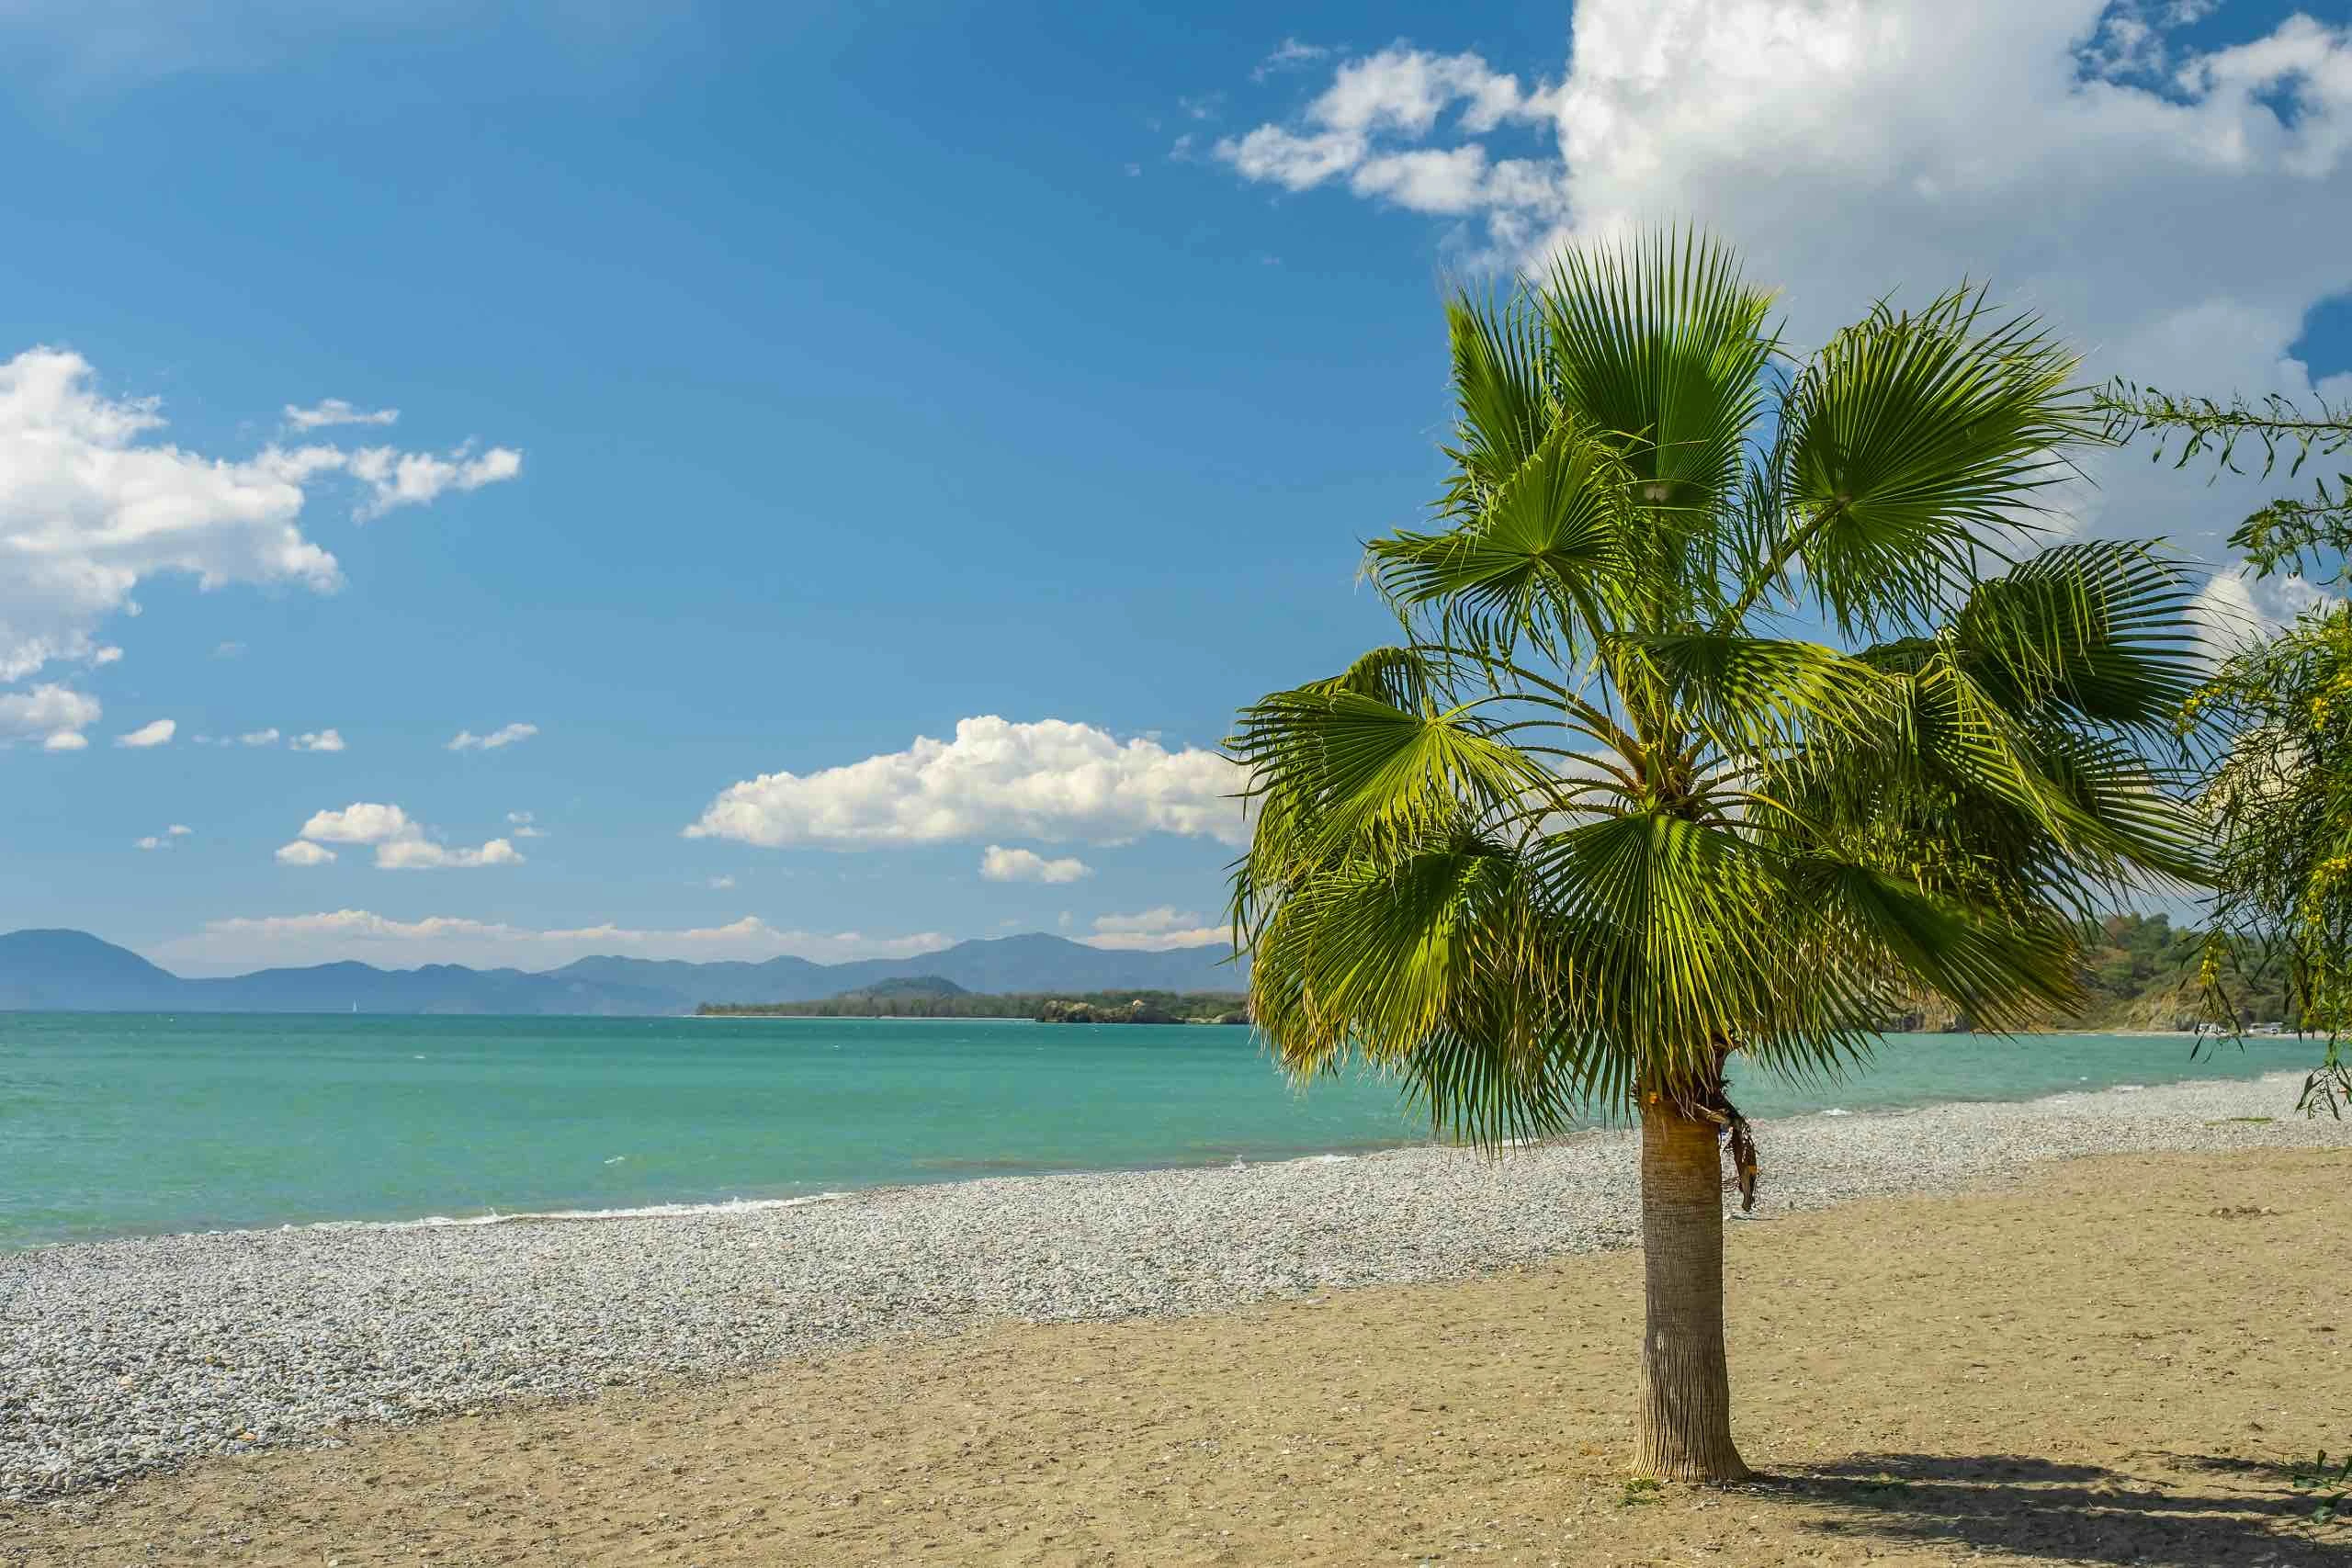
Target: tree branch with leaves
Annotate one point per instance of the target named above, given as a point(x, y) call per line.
point(2278, 712)
point(2297, 534)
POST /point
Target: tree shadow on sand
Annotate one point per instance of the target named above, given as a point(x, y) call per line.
point(2200, 1513)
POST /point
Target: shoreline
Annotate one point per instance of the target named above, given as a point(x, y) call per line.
point(2115, 1361)
point(658, 1208)
point(127, 1356)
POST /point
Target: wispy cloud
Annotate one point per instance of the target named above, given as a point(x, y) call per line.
point(508, 735)
point(414, 479)
point(1155, 930)
point(334, 411)
point(1288, 55)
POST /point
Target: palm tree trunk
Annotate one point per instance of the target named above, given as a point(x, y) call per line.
point(1685, 1429)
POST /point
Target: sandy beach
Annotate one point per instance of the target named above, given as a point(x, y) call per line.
point(2097, 1354)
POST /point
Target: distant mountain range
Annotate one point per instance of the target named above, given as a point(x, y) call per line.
point(68, 971)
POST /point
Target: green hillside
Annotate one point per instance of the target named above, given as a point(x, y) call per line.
point(2142, 974)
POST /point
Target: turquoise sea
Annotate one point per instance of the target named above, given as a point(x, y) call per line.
point(116, 1124)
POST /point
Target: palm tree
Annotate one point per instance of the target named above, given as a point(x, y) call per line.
point(1732, 715)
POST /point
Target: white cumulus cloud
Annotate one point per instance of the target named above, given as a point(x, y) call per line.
point(54, 714)
point(361, 822)
point(159, 732)
point(93, 502)
point(1051, 780)
point(1155, 930)
point(334, 411)
point(400, 843)
point(423, 854)
point(245, 942)
point(301, 851)
point(525, 825)
point(258, 738)
point(89, 506)
point(467, 740)
point(1001, 865)
point(2082, 156)
point(1357, 125)
point(318, 741)
point(2237, 608)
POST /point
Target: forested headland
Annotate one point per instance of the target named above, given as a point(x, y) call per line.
point(931, 998)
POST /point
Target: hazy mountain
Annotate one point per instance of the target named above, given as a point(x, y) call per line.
point(1033, 962)
point(436, 987)
point(59, 970)
point(64, 971)
point(1042, 962)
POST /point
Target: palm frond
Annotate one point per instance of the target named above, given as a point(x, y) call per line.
point(1500, 385)
point(1760, 694)
point(2099, 629)
point(1360, 769)
point(1432, 967)
point(1663, 344)
point(1537, 558)
point(1918, 447)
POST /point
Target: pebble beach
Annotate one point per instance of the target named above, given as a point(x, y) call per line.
point(128, 1355)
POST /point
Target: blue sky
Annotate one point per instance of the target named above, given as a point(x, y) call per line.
point(780, 384)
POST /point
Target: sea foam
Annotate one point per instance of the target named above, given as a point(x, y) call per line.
point(646, 1211)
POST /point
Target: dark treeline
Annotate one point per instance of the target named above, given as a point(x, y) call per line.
point(1100, 1006)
